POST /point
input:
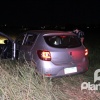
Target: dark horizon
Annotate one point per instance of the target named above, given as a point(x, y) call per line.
point(46, 12)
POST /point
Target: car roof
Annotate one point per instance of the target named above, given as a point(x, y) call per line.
point(51, 32)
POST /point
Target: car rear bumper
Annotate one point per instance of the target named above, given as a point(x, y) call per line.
point(48, 69)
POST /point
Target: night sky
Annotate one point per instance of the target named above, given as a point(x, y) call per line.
point(45, 12)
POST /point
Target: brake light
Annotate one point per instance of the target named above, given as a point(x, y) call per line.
point(44, 55)
point(63, 36)
point(48, 75)
point(86, 52)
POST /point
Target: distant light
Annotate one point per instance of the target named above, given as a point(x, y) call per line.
point(25, 29)
point(63, 27)
point(88, 27)
point(42, 27)
point(5, 25)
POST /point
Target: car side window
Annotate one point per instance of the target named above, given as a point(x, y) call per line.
point(63, 41)
point(21, 39)
point(30, 39)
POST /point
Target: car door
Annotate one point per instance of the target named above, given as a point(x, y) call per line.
point(26, 48)
point(19, 42)
point(7, 47)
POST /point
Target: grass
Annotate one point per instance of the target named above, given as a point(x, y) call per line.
point(22, 83)
point(18, 81)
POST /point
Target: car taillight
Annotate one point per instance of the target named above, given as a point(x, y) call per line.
point(44, 55)
point(86, 52)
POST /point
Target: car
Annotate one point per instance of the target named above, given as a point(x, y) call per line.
point(6, 46)
point(55, 53)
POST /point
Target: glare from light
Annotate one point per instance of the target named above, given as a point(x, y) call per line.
point(2, 41)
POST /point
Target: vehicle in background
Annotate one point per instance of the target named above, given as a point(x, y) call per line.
point(6, 46)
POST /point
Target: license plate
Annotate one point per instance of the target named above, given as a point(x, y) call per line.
point(70, 70)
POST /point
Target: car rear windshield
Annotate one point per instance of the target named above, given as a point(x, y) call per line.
point(63, 41)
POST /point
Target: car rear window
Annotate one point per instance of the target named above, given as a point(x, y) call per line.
point(63, 41)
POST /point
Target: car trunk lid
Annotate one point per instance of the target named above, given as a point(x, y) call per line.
point(65, 49)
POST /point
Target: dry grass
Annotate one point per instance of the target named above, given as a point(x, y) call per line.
point(18, 81)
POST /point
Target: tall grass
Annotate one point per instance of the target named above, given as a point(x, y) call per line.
point(20, 82)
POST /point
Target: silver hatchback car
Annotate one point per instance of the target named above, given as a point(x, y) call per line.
point(55, 53)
